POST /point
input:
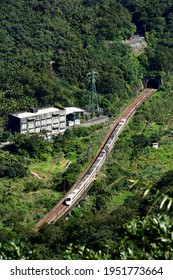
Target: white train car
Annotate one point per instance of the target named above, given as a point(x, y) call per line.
point(87, 179)
point(92, 172)
point(69, 199)
point(114, 136)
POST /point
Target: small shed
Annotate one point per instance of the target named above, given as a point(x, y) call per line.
point(155, 145)
point(72, 115)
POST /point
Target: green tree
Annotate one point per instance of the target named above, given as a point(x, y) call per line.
point(16, 250)
point(150, 238)
point(33, 145)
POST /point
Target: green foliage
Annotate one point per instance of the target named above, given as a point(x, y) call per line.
point(34, 185)
point(78, 252)
point(34, 146)
point(161, 192)
point(65, 181)
point(11, 166)
point(150, 238)
point(16, 250)
point(47, 49)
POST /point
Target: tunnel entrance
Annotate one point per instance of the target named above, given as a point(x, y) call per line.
point(153, 83)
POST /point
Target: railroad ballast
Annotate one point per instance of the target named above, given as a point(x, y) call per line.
point(95, 167)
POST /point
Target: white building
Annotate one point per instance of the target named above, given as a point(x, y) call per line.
point(72, 115)
point(50, 119)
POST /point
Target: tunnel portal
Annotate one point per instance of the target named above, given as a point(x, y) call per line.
point(152, 82)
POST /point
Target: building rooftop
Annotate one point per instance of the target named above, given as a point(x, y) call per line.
point(72, 110)
point(38, 112)
point(35, 112)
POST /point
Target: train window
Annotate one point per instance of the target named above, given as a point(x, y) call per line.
point(80, 186)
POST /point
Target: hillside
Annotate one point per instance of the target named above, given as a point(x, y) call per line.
point(47, 49)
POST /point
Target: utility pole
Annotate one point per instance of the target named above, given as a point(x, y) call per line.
point(89, 153)
point(93, 98)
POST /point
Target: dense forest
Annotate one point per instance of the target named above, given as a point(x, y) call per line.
point(47, 48)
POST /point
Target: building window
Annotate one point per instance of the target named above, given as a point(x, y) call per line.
point(37, 129)
point(43, 122)
point(49, 127)
point(30, 124)
point(49, 121)
point(32, 130)
point(37, 123)
point(55, 119)
point(62, 124)
point(24, 126)
point(62, 118)
point(56, 125)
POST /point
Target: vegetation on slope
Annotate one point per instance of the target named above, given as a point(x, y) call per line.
point(48, 48)
point(46, 51)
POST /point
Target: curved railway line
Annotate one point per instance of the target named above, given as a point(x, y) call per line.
point(78, 190)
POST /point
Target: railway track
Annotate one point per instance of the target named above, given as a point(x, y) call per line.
point(78, 190)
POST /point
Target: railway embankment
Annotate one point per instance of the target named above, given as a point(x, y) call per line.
point(76, 192)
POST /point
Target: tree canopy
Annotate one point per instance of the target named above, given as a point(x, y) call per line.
point(47, 48)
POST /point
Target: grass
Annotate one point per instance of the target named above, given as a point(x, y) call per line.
point(47, 169)
point(150, 165)
point(118, 200)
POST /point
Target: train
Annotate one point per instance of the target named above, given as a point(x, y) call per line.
point(114, 136)
point(95, 167)
point(64, 206)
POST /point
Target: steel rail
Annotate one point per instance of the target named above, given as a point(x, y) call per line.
point(60, 209)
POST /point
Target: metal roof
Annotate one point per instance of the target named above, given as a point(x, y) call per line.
point(72, 110)
point(39, 112)
point(69, 110)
